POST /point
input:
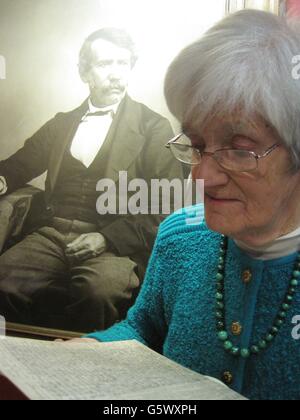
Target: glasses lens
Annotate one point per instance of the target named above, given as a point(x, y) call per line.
point(236, 160)
point(183, 151)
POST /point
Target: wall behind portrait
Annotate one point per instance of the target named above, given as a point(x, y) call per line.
point(40, 41)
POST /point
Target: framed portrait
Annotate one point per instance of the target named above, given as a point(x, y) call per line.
point(39, 50)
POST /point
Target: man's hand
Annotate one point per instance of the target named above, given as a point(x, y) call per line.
point(87, 246)
point(3, 185)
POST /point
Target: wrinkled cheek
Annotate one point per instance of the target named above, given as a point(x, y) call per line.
point(221, 224)
point(227, 220)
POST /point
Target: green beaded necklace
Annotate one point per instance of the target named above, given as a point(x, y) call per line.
point(266, 341)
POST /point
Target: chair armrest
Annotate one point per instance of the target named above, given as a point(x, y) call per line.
point(14, 209)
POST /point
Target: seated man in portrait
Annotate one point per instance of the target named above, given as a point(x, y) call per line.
point(100, 260)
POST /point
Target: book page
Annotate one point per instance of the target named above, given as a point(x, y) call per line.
point(101, 371)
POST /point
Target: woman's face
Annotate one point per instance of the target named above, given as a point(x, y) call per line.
point(255, 207)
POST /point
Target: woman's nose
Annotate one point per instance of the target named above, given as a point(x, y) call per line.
point(210, 171)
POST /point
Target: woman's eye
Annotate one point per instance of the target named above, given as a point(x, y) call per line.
point(243, 143)
point(199, 147)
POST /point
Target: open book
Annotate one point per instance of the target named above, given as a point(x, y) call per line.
point(124, 370)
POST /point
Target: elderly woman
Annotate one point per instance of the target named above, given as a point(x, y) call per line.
point(220, 296)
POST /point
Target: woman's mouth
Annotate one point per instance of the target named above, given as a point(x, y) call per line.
point(220, 200)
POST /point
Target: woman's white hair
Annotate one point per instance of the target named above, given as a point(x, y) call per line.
point(246, 62)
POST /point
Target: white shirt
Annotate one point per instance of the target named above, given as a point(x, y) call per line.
point(3, 185)
point(91, 133)
point(281, 247)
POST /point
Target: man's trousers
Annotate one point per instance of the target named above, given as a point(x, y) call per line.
point(39, 285)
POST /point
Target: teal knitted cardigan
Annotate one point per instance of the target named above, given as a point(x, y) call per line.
point(174, 313)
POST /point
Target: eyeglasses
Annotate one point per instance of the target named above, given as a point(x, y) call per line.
point(235, 160)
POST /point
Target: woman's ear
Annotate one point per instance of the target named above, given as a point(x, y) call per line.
point(294, 170)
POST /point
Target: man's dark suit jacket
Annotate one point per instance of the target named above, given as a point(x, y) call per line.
point(135, 143)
